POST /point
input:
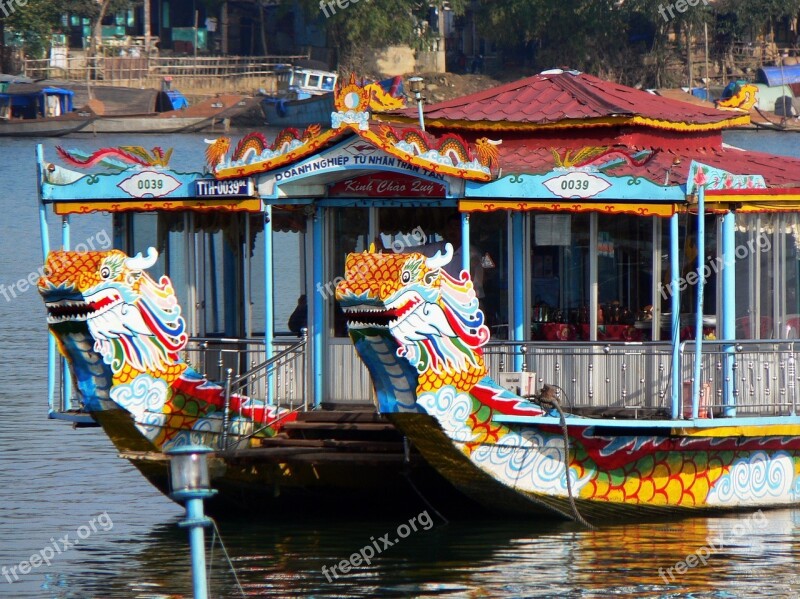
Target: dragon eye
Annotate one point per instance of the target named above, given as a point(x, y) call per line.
point(105, 272)
point(405, 277)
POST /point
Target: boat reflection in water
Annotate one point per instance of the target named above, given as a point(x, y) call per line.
point(478, 559)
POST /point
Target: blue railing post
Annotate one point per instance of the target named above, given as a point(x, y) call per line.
point(269, 325)
point(67, 377)
point(675, 321)
point(317, 325)
point(44, 232)
point(698, 324)
point(465, 247)
point(729, 309)
point(517, 328)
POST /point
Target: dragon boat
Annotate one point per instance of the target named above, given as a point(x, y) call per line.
point(612, 331)
point(421, 334)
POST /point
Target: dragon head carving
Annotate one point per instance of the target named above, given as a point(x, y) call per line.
point(133, 320)
point(416, 327)
point(121, 332)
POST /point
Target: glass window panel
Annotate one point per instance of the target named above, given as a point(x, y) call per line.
point(791, 288)
point(214, 293)
point(755, 275)
point(624, 274)
point(489, 244)
point(559, 275)
point(288, 237)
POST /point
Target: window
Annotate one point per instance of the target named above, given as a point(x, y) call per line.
point(624, 275)
point(559, 281)
point(768, 276)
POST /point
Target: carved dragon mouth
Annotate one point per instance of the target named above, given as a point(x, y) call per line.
point(366, 317)
point(78, 311)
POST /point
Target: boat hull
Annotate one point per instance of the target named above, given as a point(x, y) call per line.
point(298, 113)
point(148, 124)
point(284, 477)
point(45, 127)
point(625, 474)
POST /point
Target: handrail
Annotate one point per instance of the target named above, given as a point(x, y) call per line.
point(267, 363)
point(232, 385)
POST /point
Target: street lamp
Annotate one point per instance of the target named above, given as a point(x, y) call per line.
point(190, 483)
point(417, 86)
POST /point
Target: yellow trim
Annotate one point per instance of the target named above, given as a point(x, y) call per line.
point(718, 198)
point(488, 205)
point(736, 121)
point(231, 204)
point(766, 430)
point(773, 206)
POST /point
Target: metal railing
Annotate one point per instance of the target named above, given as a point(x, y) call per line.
point(259, 379)
point(603, 375)
point(244, 361)
point(758, 378)
point(748, 378)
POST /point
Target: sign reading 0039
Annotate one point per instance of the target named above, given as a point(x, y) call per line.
point(149, 184)
point(576, 184)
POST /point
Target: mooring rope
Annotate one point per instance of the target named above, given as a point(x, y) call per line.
point(216, 536)
point(547, 398)
point(407, 474)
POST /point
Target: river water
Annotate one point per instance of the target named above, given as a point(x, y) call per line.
point(106, 533)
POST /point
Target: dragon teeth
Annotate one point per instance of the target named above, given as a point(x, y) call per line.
point(362, 309)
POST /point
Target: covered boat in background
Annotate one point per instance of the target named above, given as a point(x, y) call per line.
point(35, 110)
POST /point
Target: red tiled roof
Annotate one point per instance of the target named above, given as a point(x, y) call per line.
point(568, 98)
point(662, 167)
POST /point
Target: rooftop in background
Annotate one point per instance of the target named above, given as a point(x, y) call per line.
point(556, 99)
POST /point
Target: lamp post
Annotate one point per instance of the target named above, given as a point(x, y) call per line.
point(190, 483)
point(417, 85)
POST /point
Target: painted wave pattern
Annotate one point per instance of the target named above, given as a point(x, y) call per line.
point(759, 479)
point(452, 409)
point(146, 398)
point(530, 462)
point(527, 461)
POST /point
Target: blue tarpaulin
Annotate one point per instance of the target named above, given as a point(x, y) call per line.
point(773, 76)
